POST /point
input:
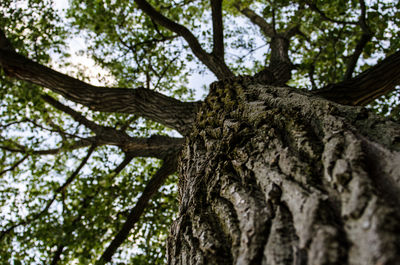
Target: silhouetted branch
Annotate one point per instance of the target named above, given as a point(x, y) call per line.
point(258, 20)
point(17, 148)
point(57, 255)
point(15, 165)
point(215, 64)
point(86, 201)
point(365, 38)
point(50, 202)
point(168, 167)
point(314, 7)
point(218, 29)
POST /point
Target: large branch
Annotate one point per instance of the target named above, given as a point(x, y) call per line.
point(169, 167)
point(369, 85)
point(218, 29)
point(279, 69)
point(214, 63)
point(155, 146)
point(140, 101)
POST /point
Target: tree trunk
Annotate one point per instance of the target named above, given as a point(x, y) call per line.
point(273, 175)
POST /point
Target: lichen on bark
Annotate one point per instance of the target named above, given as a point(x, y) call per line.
point(274, 175)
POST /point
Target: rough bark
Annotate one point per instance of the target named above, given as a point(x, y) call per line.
point(272, 175)
point(367, 86)
point(140, 101)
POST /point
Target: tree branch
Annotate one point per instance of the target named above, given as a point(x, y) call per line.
point(258, 20)
point(74, 114)
point(218, 29)
point(365, 38)
point(155, 146)
point(169, 166)
point(352, 62)
point(15, 165)
point(215, 64)
point(57, 255)
point(50, 202)
point(140, 101)
point(279, 69)
point(86, 201)
point(367, 86)
point(26, 150)
point(314, 7)
point(4, 42)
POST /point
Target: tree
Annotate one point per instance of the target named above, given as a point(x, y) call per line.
point(279, 164)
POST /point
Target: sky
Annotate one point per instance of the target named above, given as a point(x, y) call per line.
point(196, 81)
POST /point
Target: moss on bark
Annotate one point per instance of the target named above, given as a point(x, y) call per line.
point(272, 175)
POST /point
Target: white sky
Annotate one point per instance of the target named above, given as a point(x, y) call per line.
point(196, 81)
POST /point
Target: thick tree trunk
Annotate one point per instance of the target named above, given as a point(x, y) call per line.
point(272, 175)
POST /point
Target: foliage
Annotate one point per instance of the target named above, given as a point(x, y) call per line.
point(134, 51)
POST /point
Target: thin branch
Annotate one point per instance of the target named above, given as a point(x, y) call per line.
point(258, 20)
point(17, 148)
point(4, 42)
point(13, 123)
point(74, 114)
point(140, 101)
point(218, 29)
point(312, 70)
point(57, 255)
point(352, 62)
point(164, 72)
point(56, 129)
point(155, 146)
point(295, 30)
point(50, 202)
point(367, 86)
point(250, 52)
point(86, 201)
point(76, 172)
point(314, 7)
point(363, 16)
point(365, 38)
point(128, 158)
point(215, 64)
point(168, 168)
point(311, 76)
point(15, 165)
point(273, 20)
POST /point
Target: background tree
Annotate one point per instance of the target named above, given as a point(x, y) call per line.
point(268, 174)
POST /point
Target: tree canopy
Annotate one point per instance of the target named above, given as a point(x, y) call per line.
point(81, 163)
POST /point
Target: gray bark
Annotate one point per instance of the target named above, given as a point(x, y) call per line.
point(272, 175)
